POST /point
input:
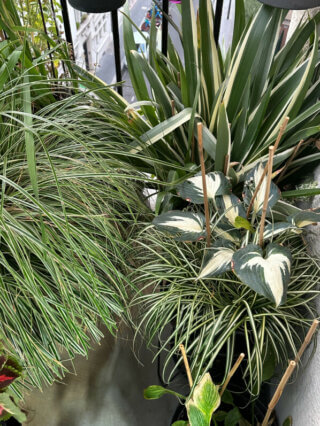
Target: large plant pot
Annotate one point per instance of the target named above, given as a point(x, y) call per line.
point(292, 4)
point(96, 6)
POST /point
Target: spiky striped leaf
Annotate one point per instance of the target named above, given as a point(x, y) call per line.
point(231, 207)
point(269, 275)
point(185, 226)
point(192, 189)
point(251, 182)
point(217, 259)
point(205, 400)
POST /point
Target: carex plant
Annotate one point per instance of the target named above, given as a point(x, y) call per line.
point(248, 283)
point(253, 86)
point(65, 214)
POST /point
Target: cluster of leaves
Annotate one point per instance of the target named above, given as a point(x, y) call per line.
point(253, 87)
point(236, 245)
point(65, 210)
point(10, 370)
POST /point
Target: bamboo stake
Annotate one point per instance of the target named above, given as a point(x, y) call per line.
point(204, 184)
point(231, 373)
point(226, 164)
point(186, 364)
point(307, 340)
point(280, 134)
point(279, 391)
point(173, 112)
point(266, 196)
point(295, 151)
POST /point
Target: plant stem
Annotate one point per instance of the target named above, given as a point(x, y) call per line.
point(281, 131)
point(266, 196)
point(307, 340)
point(231, 373)
point(173, 108)
point(279, 391)
point(186, 364)
point(295, 151)
point(204, 183)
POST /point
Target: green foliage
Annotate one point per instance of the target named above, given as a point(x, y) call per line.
point(241, 97)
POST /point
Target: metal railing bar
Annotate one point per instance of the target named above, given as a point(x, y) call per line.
point(165, 12)
point(48, 44)
point(116, 45)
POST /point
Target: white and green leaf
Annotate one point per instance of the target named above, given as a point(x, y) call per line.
point(230, 207)
point(217, 259)
point(269, 275)
point(273, 229)
point(192, 189)
point(304, 218)
point(185, 226)
point(251, 182)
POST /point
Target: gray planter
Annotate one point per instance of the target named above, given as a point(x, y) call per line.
point(292, 4)
point(96, 6)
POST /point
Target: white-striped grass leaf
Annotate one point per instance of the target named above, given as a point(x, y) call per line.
point(269, 275)
point(230, 207)
point(223, 146)
point(185, 226)
point(209, 142)
point(204, 402)
point(304, 218)
point(227, 232)
point(192, 189)
point(251, 181)
point(217, 259)
point(274, 229)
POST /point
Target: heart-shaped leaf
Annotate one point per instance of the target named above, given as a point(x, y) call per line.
point(10, 369)
point(186, 226)
point(230, 207)
point(304, 218)
point(217, 259)
point(205, 400)
point(192, 189)
point(269, 275)
point(252, 180)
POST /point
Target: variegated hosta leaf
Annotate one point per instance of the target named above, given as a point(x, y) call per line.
point(204, 402)
point(227, 232)
point(274, 229)
point(267, 276)
point(304, 218)
point(192, 189)
point(251, 182)
point(185, 226)
point(217, 259)
point(231, 207)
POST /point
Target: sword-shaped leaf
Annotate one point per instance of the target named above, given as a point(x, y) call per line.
point(274, 229)
point(192, 189)
point(304, 218)
point(269, 275)
point(251, 182)
point(217, 259)
point(204, 402)
point(185, 226)
point(231, 207)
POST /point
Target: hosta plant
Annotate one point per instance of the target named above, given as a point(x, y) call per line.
point(235, 289)
point(265, 269)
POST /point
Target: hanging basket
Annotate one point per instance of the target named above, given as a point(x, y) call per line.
point(96, 6)
point(292, 4)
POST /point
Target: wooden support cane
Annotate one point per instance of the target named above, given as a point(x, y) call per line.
point(231, 373)
point(186, 364)
point(266, 196)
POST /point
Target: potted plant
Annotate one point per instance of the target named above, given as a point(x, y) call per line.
point(96, 6)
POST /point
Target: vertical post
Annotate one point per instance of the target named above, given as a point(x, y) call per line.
point(165, 13)
point(66, 23)
point(48, 44)
point(116, 45)
point(217, 19)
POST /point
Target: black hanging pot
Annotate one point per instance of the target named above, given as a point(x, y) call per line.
point(292, 4)
point(96, 6)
